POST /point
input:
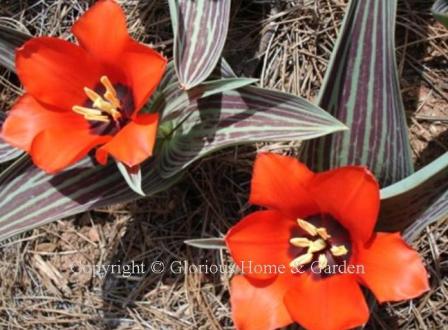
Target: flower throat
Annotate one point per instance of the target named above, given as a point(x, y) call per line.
point(104, 108)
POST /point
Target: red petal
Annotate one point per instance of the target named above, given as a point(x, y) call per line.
point(331, 303)
point(28, 118)
point(144, 68)
point(281, 182)
point(261, 239)
point(134, 143)
point(257, 306)
point(57, 148)
point(351, 194)
point(392, 270)
point(55, 71)
point(102, 31)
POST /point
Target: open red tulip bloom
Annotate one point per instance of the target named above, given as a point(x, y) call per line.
point(320, 226)
point(81, 97)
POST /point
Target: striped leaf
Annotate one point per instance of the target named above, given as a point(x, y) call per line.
point(10, 39)
point(7, 153)
point(132, 176)
point(240, 116)
point(361, 90)
point(417, 201)
point(207, 243)
point(200, 31)
point(30, 198)
point(440, 11)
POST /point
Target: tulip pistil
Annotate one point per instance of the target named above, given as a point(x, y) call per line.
point(103, 107)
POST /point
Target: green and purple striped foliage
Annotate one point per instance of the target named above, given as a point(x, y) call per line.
point(416, 201)
point(10, 39)
point(200, 30)
point(361, 90)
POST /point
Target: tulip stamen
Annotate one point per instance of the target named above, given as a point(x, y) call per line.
point(323, 261)
point(300, 242)
point(301, 260)
point(90, 114)
point(103, 106)
point(319, 243)
point(339, 251)
point(308, 227)
point(323, 233)
point(111, 93)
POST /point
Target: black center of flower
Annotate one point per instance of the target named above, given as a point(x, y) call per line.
point(320, 245)
point(108, 106)
point(110, 127)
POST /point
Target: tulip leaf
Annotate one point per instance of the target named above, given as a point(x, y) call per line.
point(207, 243)
point(361, 90)
point(440, 11)
point(30, 198)
point(249, 114)
point(7, 153)
point(132, 176)
point(10, 39)
point(172, 97)
point(200, 31)
point(416, 201)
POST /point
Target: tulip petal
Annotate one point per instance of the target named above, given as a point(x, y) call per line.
point(260, 240)
point(102, 31)
point(351, 195)
point(258, 305)
point(281, 182)
point(134, 143)
point(57, 148)
point(392, 270)
point(144, 68)
point(332, 303)
point(28, 118)
point(55, 72)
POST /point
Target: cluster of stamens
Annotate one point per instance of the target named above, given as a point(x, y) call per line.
point(103, 107)
point(318, 245)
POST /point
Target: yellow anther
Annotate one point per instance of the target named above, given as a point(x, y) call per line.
point(86, 111)
point(308, 227)
point(339, 251)
point(91, 94)
point(323, 233)
point(317, 245)
point(90, 114)
point(300, 242)
point(102, 105)
point(302, 260)
point(323, 261)
point(98, 118)
point(111, 93)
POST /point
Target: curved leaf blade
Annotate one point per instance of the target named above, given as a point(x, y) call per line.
point(30, 198)
point(200, 31)
point(416, 201)
point(361, 90)
point(246, 115)
point(207, 243)
point(132, 176)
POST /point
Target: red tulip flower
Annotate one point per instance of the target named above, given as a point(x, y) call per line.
point(86, 96)
point(305, 257)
